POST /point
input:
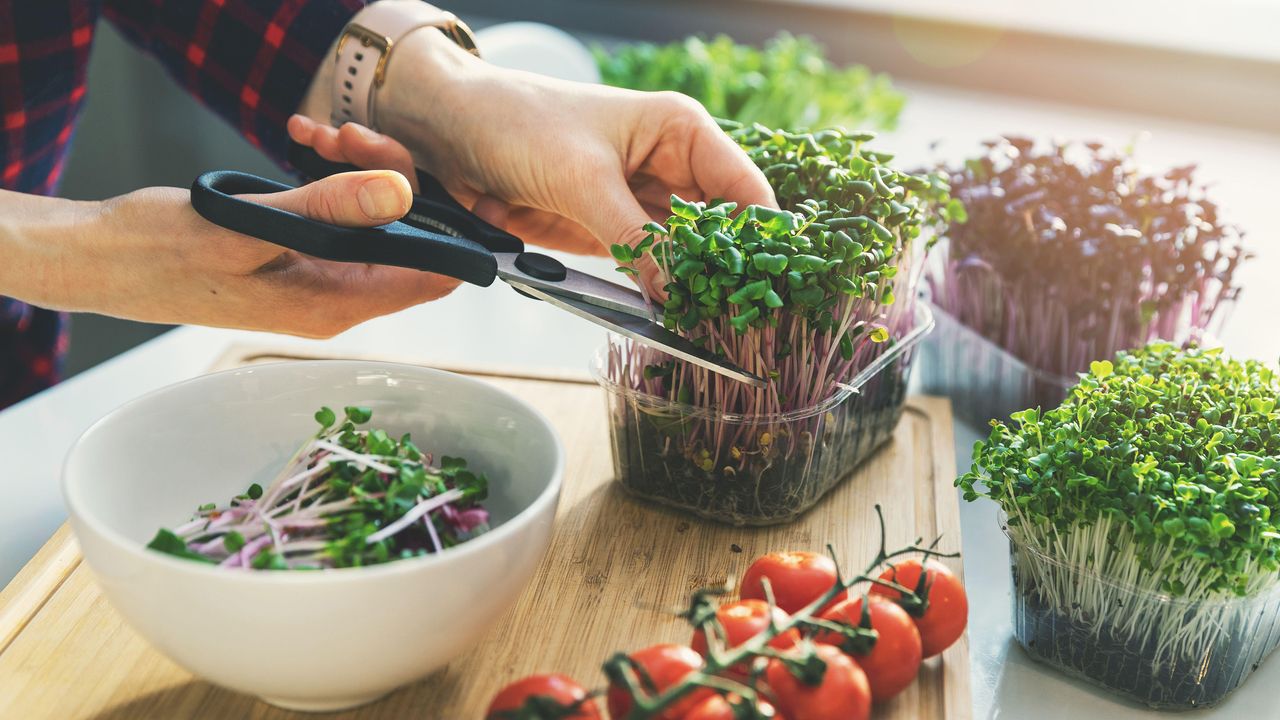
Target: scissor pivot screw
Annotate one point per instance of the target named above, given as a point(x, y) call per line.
point(541, 267)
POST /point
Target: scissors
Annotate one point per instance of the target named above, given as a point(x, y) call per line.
point(439, 235)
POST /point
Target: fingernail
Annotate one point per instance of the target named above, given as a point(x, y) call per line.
point(380, 199)
point(365, 132)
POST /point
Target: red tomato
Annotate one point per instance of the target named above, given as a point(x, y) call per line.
point(797, 578)
point(894, 659)
point(547, 692)
point(842, 694)
point(743, 620)
point(717, 707)
point(666, 666)
point(943, 620)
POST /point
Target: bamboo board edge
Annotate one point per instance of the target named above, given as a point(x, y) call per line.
point(240, 355)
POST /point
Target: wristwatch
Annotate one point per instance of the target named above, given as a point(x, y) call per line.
point(365, 48)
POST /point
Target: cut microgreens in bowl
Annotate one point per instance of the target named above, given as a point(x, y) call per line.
point(805, 296)
point(350, 497)
point(1142, 517)
point(789, 83)
point(1072, 253)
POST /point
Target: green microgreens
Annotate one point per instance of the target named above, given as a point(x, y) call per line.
point(1147, 500)
point(803, 296)
point(788, 83)
point(349, 497)
point(1179, 449)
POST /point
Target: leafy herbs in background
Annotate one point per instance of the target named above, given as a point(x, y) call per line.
point(789, 83)
point(350, 497)
point(1072, 253)
point(1156, 478)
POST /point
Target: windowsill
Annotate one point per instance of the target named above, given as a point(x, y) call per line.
point(1241, 29)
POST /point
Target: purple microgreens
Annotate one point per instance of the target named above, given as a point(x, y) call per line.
point(1072, 253)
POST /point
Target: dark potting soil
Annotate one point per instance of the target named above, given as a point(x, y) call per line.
point(810, 457)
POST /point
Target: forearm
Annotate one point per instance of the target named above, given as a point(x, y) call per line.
point(40, 241)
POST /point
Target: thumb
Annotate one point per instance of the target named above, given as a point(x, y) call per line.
point(353, 199)
point(617, 218)
point(613, 215)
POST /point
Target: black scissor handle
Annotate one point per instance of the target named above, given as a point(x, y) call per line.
point(433, 209)
point(213, 196)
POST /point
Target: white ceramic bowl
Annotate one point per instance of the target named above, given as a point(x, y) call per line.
point(307, 640)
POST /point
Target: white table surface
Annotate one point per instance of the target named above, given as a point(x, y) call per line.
point(495, 326)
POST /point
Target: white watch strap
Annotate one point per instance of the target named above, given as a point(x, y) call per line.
point(365, 48)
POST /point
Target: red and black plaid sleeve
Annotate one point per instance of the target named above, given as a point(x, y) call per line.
point(251, 61)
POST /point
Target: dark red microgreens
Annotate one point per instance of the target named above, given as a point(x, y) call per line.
point(1071, 253)
point(350, 497)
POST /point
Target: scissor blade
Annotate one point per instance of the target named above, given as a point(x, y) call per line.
point(578, 286)
point(642, 331)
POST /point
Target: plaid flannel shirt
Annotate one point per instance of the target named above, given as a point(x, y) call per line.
point(250, 61)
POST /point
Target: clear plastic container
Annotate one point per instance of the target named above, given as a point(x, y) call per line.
point(982, 379)
point(1162, 651)
point(759, 469)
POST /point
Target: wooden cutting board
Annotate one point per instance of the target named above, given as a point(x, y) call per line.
point(66, 654)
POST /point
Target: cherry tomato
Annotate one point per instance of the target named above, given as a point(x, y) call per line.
point(841, 694)
point(743, 620)
point(545, 692)
point(666, 666)
point(717, 707)
point(894, 659)
point(797, 578)
point(943, 620)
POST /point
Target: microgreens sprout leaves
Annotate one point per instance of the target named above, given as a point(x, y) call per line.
point(326, 417)
point(358, 415)
point(622, 252)
point(830, 239)
point(167, 542)
point(1172, 455)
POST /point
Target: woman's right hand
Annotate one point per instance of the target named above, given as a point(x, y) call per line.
point(149, 256)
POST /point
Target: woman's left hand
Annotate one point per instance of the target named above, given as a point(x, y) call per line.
point(565, 165)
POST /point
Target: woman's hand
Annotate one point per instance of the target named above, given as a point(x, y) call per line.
point(567, 165)
point(148, 256)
